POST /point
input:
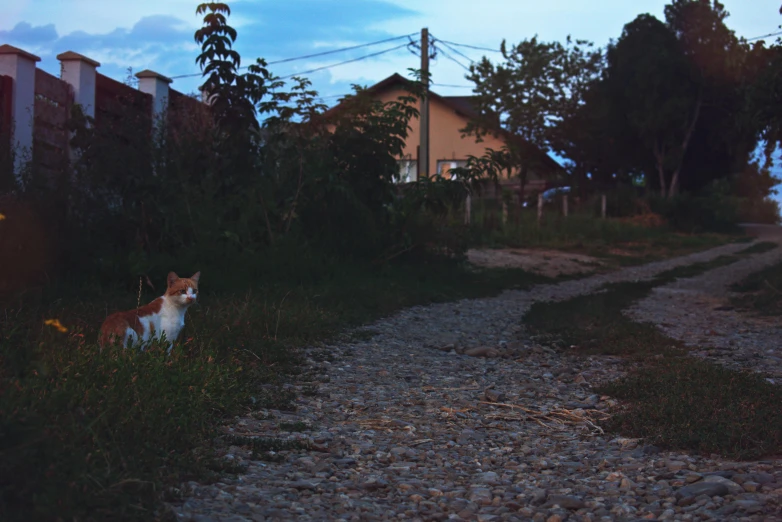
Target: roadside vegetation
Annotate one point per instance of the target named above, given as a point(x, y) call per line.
point(670, 399)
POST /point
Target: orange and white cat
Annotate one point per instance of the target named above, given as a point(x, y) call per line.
point(166, 314)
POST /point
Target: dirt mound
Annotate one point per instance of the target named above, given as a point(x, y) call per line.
point(551, 263)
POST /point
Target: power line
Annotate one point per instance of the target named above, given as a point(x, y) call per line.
point(313, 55)
point(453, 86)
point(324, 53)
point(778, 33)
point(457, 51)
point(471, 46)
point(454, 60)
point(345, 62)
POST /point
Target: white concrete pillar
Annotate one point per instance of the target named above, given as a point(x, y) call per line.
point(20, 65)
point(157, 86)
point(80, 73)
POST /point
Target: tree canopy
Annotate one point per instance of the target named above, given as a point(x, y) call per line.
point(677, 104)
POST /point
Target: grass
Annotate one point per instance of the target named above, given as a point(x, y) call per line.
point(760, 292)
point(101, 435)
point(594, 325)
point(760, 247)
point(619, 242)
point(268, 449)
point(297, 426)
point(671, 400)
point(686, 403)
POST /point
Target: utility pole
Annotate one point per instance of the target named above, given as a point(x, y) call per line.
point(423, 159)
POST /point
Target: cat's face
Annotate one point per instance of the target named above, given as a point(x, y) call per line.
point(183, 290)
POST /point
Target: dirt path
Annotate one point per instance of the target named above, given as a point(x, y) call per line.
point(406, 425)
point(697, 312)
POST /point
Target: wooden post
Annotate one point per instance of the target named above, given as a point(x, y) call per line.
point(603, 206)
point(540, 207)
point(468, 209)
point(504, 212)
point(564, 204)
point(424, 116)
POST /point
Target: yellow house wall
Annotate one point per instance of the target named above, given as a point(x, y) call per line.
point(445, 138)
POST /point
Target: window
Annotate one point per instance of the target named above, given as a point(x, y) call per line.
point(408, 170)
point(444, 166)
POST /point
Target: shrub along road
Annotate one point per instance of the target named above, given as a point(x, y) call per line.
point(495, 409)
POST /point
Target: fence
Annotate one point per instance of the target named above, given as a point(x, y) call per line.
point(53, 100)
point(497, 204)
point(35, 106)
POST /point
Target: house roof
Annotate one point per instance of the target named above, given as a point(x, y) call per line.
point(463, 105)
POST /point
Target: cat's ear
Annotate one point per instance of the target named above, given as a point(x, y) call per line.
point(172, 278)
point(195, 277)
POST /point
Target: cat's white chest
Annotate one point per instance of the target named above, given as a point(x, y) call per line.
point(171, 322)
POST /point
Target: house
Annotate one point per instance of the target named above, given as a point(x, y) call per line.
point(448, 148)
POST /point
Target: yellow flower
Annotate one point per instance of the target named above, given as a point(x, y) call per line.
point(55, 323)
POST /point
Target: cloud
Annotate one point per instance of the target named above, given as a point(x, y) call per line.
point(164, 41)
point(24, 33)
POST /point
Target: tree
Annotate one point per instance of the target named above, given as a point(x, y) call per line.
point(725, 69)
point(651, 82)
point(235, 97)
point(538, 86)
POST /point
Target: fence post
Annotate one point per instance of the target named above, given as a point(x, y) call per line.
point(20, 66)
point(603, 205)
point(468, 209)
point(504, 212)
point(157, 86)
point(80, 73)
point(540, 207)
point(564, 204)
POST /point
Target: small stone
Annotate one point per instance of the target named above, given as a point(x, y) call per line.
point(494, 396)
point(373, 485)
point(711, 489)
point(490, 478)
point(733, 488)
point(750, 506)
point(539, 497)
point(554, 518)
point(762, 478)
point(482, 351)
point(565, 501)
point(480, 496)
point(675, 465)
point(750, 486)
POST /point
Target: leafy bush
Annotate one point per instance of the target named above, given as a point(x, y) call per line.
point(764, 210)
point(263, 167)
point(715, 209)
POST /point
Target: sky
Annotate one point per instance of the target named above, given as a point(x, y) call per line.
point(158, 34)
